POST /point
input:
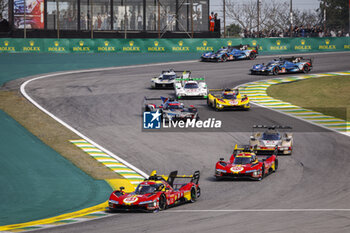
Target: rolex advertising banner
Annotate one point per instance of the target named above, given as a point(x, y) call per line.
point(8, 45)
point(180, 45)
point(255, 43)
point(265, 45)
point(107, 46)
point(157, 46)
point(57, 45)
point(132, 45)
point(82, 46)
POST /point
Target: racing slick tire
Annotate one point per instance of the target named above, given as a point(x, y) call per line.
point(252, 56)
point(275, 71)
point(262, 173)
point(162, 203)
point(215, 107)
point(208, 102)
point(306, 69)
point(276, 165)
point(194, 195)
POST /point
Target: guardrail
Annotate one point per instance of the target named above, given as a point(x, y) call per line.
point(274, 45)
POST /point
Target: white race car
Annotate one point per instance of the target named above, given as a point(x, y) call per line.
point(190, 87)
point(165, 80)
point(266, 139)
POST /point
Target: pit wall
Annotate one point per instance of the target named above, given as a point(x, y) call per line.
point(266, 45)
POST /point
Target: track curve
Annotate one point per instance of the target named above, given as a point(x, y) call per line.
point(309, 193)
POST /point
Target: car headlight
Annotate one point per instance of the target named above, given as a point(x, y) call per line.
point(219, 105)
point(152, 204)
point(251, 171)
point(220, 170)
point(146, 202)
point(113, 202)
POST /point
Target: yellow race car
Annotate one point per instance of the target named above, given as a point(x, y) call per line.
point(221, 99)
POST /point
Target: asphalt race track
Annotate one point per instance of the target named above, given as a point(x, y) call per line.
point(310, 192)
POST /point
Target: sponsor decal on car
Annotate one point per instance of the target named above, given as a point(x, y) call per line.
point(130, 200)
point(236, 169)
point(233, 102)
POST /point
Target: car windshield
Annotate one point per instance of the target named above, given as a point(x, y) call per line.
point(146, 188)
point(242, 160)
point(168, 76)
point(271, 137)
point(191, 85)
point(229, 96)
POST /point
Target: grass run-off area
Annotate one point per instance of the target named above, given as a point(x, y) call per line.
point(328, 95)
point(52, 133)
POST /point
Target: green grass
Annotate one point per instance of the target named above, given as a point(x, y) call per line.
point(328, 95)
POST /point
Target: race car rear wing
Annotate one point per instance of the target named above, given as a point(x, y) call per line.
point(173, 175)
point(247, 148)
point(287, 130)
point(163, 99)
point(272, 127)
point(176, 71)
point(190, 79)
point(242, 148)
point(294, 59)
point(171, 70)
point(224, 89)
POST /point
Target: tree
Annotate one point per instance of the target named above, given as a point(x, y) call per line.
point(274, 15)
point(306, 18)
point(233, 30)
point(4, 8)
point(337, 13)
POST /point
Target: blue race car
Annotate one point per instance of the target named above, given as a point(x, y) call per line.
point(283, 65)
point(231, 53)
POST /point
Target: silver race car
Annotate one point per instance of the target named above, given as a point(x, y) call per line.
point(186, 86)
point(265, 139)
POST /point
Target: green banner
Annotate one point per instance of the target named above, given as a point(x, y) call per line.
point(57, 45)
point(270, 45)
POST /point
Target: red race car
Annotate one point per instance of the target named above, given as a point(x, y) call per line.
point(244, 163)
point(156, 193)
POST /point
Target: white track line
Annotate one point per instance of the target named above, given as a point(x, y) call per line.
point(290, 115)
point(260, 210)
point(24, 93)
